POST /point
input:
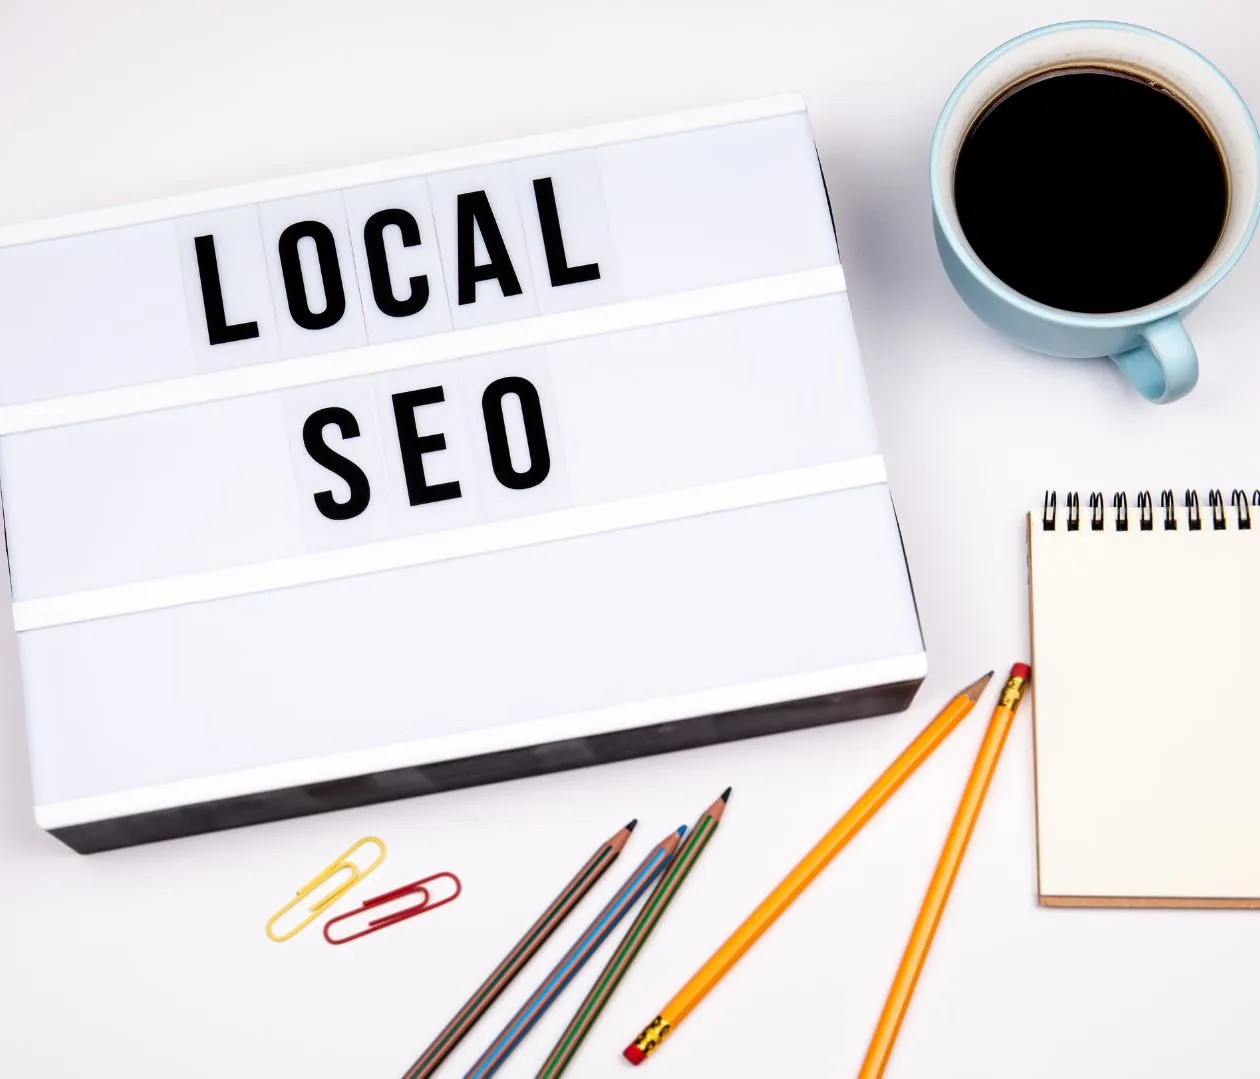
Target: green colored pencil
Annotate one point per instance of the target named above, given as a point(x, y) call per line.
point(534, 939)
point(636, 936)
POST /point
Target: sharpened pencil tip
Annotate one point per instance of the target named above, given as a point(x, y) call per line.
point(977, 687)
point(726, 794)
point(630, 826)
point(682, 828)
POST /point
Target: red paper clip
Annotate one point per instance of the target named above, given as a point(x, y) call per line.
point(416, 887)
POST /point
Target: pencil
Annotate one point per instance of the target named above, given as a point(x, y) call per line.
point(534, 938)
point(943, 876)
point(632, 943)
point(803, 874)
point(575, 958)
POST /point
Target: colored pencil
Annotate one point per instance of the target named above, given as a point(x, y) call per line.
point(575, 958)
point(636, 936)
point(952, 853)
point(535, 938)
point(803, 874)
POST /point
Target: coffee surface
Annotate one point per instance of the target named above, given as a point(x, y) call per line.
point(1091, 191)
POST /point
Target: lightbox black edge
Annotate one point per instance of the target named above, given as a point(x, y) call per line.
point(96, 836)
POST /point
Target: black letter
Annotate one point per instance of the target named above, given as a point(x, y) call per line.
point(412, 446)
point(323, 454)
point(496, 433)
point(378, 264)
point(553, 241)
point(329, 271)
point(472, 212)
point(212, 297)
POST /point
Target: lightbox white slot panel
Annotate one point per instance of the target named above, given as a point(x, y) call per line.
point(582, 627)
point(229, 483)
point(289, 277)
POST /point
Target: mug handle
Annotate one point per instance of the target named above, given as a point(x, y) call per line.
point(1164, 367)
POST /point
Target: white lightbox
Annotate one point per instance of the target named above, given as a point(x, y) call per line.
point(469, 466)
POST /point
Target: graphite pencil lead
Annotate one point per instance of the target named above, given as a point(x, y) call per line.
point(726, 794)
point(974, 690)
point(630, 826)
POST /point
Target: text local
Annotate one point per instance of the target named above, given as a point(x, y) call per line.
point(474, 217)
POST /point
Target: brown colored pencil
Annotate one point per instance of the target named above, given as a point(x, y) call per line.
point(516, 959)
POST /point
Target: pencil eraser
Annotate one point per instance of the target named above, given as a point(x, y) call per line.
point(1021, 670)
point(634, 1054)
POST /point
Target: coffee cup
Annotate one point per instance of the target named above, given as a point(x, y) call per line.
point(1091, 183)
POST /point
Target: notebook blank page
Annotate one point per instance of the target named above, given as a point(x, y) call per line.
point(1147, 729)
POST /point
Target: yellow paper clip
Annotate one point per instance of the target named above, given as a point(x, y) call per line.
point(341, 863)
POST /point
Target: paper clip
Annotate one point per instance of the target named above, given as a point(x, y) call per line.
point(416, 887)
point(341, 863)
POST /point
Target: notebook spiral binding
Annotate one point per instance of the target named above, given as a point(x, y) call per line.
point(1146, 516)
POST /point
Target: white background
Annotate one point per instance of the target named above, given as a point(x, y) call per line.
point(153, 962)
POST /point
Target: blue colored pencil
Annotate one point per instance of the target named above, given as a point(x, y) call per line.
point(575, 958)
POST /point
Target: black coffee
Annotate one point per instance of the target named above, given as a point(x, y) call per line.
point(1091, 190)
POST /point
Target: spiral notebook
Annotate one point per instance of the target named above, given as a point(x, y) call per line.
point(1147, 724)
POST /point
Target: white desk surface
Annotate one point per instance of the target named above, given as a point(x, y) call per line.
point(153, 962)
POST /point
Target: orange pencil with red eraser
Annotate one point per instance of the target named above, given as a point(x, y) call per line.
point(943, 877)
point(805, 871)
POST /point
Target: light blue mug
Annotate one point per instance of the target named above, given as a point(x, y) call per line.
point(1149, 344)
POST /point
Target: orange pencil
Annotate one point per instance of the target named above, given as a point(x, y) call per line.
point(943, 876)
point(805, 871)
